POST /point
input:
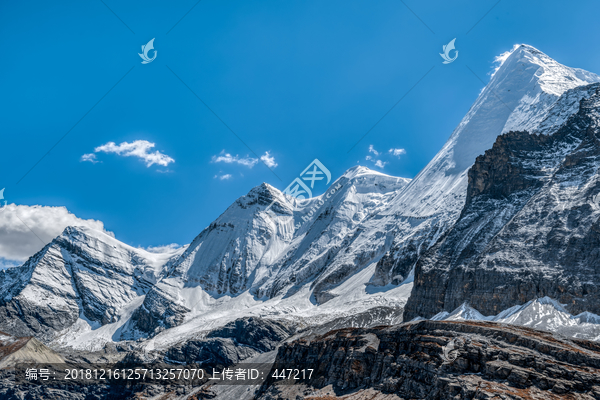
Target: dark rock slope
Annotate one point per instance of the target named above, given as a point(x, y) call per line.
point(530, 226)
point(490, 361)
point(234, 342)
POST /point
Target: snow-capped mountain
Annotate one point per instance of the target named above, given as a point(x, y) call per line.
point(519, 96)
point(348, 257)
point(82, 275)
point(248, 249)
point(529, 228)
point(543, 314)
point(382, 243)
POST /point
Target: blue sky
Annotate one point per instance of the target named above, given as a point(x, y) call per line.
point(297, 79)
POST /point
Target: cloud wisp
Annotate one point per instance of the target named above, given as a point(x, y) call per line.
point(397, 152)
point(229, 159)
point(138, 148)
point(249, 162)
point(91, 157)
point(375, 156)
point(268, 160)
point(168, 248)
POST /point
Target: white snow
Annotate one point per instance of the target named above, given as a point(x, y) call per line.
point(544, 314)
point(209, 313)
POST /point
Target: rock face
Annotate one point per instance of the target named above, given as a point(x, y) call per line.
point(257, 333)
point(440, 360)
point(234, 342)
point(209, 353)
point(530, 227)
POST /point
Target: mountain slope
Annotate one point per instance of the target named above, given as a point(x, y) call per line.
point(83, 275)
point(15, 350)
point(530, 226)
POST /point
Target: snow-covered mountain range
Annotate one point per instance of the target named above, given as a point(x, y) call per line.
point(353, 261)
point(544, 314)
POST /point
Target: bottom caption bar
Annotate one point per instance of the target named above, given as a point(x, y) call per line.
point(158, 374)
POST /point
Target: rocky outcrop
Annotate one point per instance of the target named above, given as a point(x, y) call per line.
point(530, 227)
point(439, 360)
point(232, 343)
point(209, 353)
point(257, 333)
point(158, 312)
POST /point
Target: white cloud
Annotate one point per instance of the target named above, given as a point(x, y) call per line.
point(168, 248)
point(268, 160)
point(91, 157)
point(138, 148)
point(223, 177)
point(372, 150)
point(374, 158)
point(397, 152)
point(229, 159)
point(18, 242)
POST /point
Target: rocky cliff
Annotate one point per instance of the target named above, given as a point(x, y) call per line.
point(530, 226)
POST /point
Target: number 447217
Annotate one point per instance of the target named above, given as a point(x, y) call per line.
point(291, 373)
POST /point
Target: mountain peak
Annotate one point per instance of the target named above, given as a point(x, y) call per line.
point(553, 78)
point(74, 231)
point(264, 194)
point(360, 170)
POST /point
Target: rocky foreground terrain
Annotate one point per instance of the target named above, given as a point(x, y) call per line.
point(414, 360)
point(489, 361)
